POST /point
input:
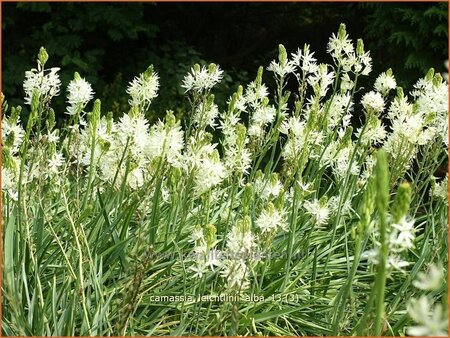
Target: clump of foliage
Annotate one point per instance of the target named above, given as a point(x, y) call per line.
point(272, 216)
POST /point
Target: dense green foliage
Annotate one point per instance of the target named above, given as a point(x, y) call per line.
point(110, 43)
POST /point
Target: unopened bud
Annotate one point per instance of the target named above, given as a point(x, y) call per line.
point(149, 72)
point(42, 56)
point(402, 201)
point(170, 118)
point(359, 47)
point(342, 32)
point(210, 235)
point(259, 76)
point(212, 68)
point(430, 74)
point(282, 54)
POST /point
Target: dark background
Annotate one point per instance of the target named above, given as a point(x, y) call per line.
point(110, 43)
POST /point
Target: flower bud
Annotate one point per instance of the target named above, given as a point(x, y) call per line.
point(430, 74)
point(241, 132)
point(210, 235)
point(342, 32)
point(15, 113)
point(245, 224)
point(96, 112)
point(232, 103)
point(259, 76)
point(76, 76)
point(134, 111)
point(42, 56)
point(212, 68)
point(247, 197)
point(437, 79)
point(210, 101)
point(402, 201)
point(170, 118)
point(240, 90)
point(149, 73)
point(282, 54)
point(359, 47)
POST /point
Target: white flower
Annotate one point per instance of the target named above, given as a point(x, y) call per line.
point(197, 235)
point(254, 94)
point(338, 46)
point(364, 64)
point(268, 188)
point(135, 178)
point(403, 234)
point(241, 241)
point(340, 108)
point(46, 82)
point(431, 96)
point(241, 253)
point(305, 60)
point(55, 163)
point(271, 219)
point(199, 269)
point(9, 183)
point(236, 274)
point(318, 210)
point(199, 79)
point(166, 141)
point(432, 280)
point(264, 115)
point(341, 163)
point(345, 207)
point(433, 321)
point(400, 108)
point(346, 83)
point(321, 79)
point(79, 94)
point(281, 69)
point(206, 115)
point(134, 127)
point(374, 133)
point(14, 131)
point(385, 82)
point(373, 101)
point(394, 262)
point(255, 130)
point(293, 125)
point(441, 189)
point(213, 259)
point(53, 137)
point(210, 172)
point(144, 88)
